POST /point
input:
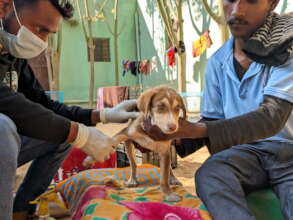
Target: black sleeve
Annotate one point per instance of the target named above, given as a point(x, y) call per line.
point(264, 122)
point(187, 146)
point(29, 86)
point(32, 119)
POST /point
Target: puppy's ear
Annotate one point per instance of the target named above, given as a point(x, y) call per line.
point(182, 105)
point(144, 102)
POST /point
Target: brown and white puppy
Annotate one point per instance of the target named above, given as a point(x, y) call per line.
point(163, 105)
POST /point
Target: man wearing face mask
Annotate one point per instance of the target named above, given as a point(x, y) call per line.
point(32, 126)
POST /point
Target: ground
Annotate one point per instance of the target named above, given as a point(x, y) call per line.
point(184, 172)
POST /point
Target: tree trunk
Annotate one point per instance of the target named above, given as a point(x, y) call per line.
point(116, 36)
point(222, 24)
point(219, 19)
point(181, 56)
point(182, 72)
point(175, 38)
point(92, 58)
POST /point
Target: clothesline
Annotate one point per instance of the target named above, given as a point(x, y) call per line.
point(199, 46)
point(144, 67)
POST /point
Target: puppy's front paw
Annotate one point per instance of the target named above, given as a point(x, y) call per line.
point(174, 181)
point(173, 197)
point(131, 183)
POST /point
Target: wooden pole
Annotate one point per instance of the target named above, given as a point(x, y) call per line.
point(116, 36)
point(91, 55)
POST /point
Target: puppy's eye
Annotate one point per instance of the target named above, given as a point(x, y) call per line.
point(177, 109)
point(161, 107)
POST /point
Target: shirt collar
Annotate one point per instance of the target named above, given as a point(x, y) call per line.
point(228, 64)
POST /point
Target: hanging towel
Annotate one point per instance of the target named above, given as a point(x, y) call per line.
point(113, 95)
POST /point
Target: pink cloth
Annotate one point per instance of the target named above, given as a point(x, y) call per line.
point(160, 211)
point(92, 192)
point(111, 96)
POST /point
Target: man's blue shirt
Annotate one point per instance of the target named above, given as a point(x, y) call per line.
point(225, 96)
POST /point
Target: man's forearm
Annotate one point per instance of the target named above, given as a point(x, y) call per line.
point(262, 123)
point(222, 134)
point(95, 117)
point(72, 132)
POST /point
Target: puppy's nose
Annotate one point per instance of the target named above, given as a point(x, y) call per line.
point(172, 127)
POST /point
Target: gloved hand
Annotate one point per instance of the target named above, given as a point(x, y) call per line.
point(94, 143)
point(88, 162)
point(120, 113)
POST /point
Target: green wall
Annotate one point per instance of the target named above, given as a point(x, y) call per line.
point(75, 68)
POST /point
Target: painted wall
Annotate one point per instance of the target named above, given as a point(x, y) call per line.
point(75, 68)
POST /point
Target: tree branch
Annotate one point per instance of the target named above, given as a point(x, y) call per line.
point(192, 20)
point(211, 13)
point(163, 13)
point(172, 11)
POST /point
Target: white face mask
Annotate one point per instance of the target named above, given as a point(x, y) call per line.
point(25, 44)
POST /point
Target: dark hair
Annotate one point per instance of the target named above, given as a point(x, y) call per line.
point(63, 6)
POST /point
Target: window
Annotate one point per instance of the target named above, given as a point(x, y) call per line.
point(102, 50)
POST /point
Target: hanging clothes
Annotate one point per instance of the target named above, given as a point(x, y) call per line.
point(171, 56)
point(154, 64)
point(133, 66)
point(145, 67)
point(126, 64)
point(199, 46)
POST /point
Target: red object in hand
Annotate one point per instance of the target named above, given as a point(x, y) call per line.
point(73, 164)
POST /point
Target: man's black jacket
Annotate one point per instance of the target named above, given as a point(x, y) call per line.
point(33, 112)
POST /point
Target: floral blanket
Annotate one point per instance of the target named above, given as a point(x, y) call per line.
point(99, 194)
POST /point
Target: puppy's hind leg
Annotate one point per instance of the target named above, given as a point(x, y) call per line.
point(131, 182)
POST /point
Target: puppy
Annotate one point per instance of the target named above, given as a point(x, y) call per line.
point(163, 105)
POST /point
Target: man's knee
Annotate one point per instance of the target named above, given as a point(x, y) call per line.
point(210, 171)
point(9, 143)
point(6, 125)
